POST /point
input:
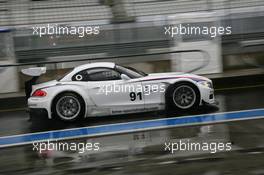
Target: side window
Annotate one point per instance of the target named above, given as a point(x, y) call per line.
point(80, 76)
point(102, 74)
point(98, 74)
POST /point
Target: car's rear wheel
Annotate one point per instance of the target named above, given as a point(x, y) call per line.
point(68, 107)
point(183, 96)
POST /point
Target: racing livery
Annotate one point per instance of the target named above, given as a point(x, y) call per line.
point(105, 88)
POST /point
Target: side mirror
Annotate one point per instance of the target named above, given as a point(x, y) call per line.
point(124, 77)
point(34, 71)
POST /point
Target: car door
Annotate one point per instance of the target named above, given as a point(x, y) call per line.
point(111, 94)
point(154, 95)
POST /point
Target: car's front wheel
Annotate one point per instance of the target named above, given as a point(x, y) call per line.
point(68, 107)
point(183, 96)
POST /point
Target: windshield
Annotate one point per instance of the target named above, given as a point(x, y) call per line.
point(131, 72)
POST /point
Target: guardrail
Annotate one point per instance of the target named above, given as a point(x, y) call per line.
point(205, 62)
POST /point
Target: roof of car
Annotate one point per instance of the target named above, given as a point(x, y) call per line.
point(87, 66)
point(94, 65)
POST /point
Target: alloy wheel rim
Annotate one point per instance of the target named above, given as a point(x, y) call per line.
point(68, 107)
point(184, 97)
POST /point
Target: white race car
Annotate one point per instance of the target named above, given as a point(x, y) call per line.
point(104, 88)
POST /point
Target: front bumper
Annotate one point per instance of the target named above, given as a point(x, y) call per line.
point(207, 95)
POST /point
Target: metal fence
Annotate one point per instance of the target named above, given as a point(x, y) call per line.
point(28, 12)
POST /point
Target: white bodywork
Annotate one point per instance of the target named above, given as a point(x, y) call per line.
point(112, 103)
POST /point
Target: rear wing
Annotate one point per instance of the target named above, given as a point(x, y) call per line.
point(34, 71)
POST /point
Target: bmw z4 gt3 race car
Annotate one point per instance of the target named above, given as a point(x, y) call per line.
point(105, 88)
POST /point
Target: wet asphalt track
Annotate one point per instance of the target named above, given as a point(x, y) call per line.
point(145, 150)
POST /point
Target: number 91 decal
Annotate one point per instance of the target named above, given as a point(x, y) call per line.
point(134, 96)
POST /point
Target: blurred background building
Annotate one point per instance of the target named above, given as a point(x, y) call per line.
point(133, 27)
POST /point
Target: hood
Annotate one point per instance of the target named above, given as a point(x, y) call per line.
point(169, 75)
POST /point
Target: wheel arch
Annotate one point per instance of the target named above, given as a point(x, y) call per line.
point(187, 81)
point(68, 91)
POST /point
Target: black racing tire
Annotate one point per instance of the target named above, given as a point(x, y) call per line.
point(182, 96)
point(68, 106)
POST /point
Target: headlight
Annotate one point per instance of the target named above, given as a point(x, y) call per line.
point(206, 84)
